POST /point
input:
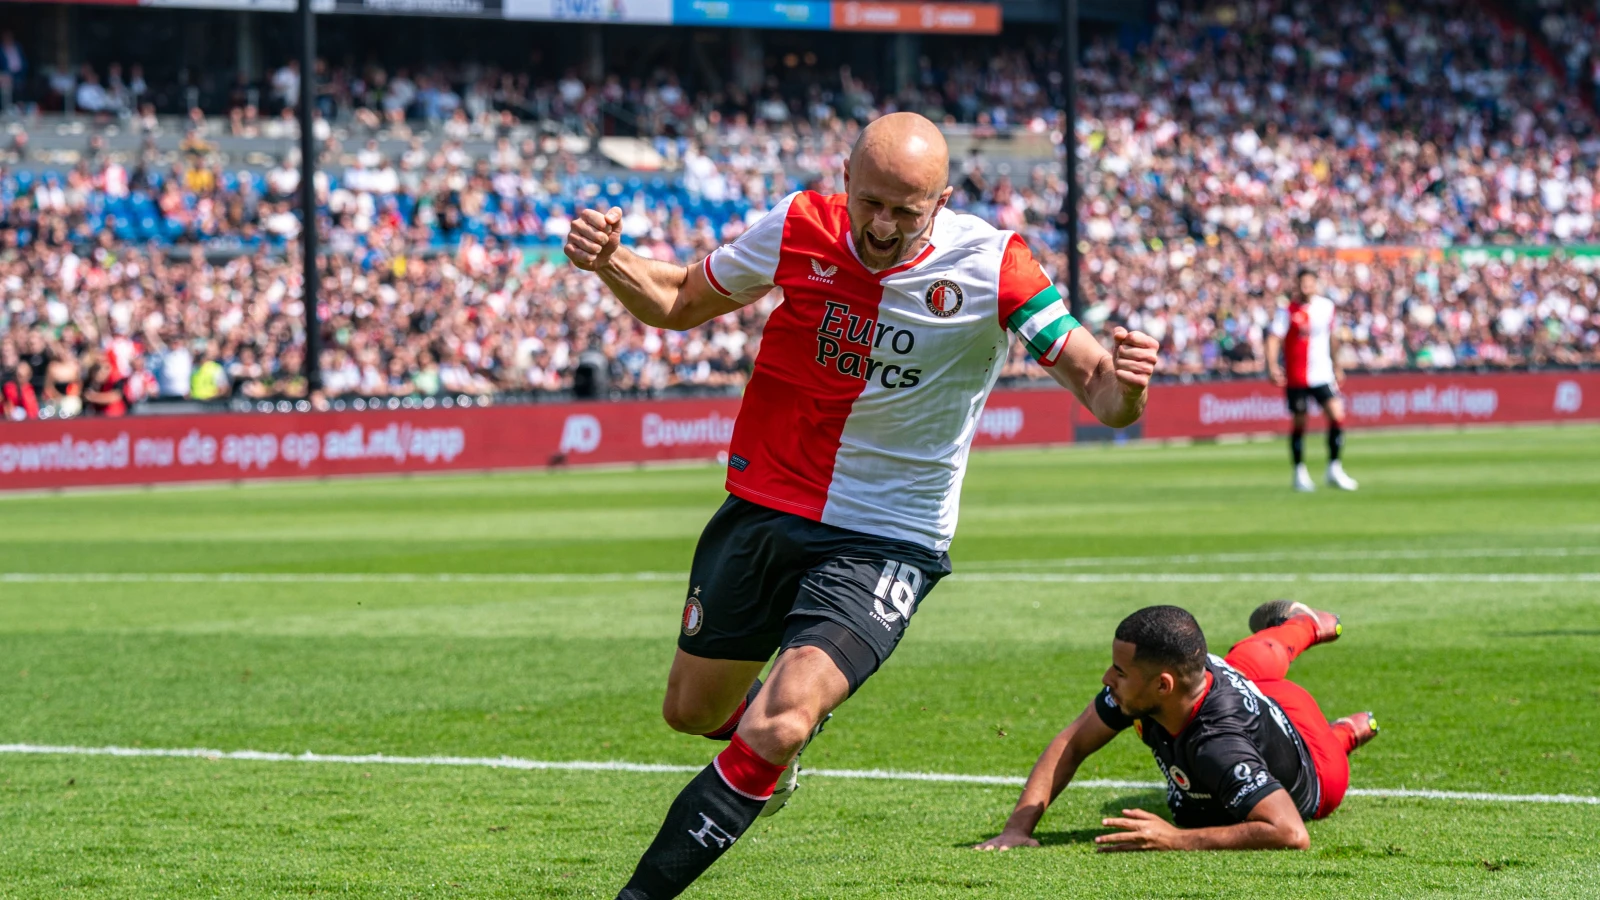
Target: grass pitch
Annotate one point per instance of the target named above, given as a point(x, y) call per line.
point(1462, 570)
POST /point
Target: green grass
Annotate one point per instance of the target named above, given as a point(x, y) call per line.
point(1481, 686)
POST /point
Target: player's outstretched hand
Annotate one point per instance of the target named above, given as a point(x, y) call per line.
point(593, 238)
point(1006, 840)
point(1135, 357)
point(1142, 830)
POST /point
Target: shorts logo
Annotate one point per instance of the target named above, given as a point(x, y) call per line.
point(694, 616)
point(944, 298)
point(899, 584)
point(1179, 778)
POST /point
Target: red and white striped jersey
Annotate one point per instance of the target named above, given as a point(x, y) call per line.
point(1306, 330)
point(868, 385)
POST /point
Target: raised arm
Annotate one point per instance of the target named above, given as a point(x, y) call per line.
point(1050, 775)
point(658, 293)
point(1112, 386)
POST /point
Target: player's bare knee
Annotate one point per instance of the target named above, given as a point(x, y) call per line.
point(778, 734)
point(688, 717)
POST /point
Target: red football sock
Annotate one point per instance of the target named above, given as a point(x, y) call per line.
point(743, 770)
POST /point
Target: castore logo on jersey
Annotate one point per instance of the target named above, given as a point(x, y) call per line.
point(823, 274)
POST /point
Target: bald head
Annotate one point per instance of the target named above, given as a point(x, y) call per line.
point(897, 181)
point(903, 148)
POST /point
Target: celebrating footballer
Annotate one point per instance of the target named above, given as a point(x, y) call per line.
point(847, 458)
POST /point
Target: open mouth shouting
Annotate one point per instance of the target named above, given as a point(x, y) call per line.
point(877, 246)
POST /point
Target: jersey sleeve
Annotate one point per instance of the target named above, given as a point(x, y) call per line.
point(1231, 769)
point(1031, 306)
point(746, 268)
point(1280, 323)
point(1110, 713)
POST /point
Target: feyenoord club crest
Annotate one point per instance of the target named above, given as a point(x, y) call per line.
point(693, 617)
point(943, 298)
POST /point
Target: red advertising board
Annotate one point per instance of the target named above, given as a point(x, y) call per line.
point(153, 449)
point(928, 18)
point(1241, 407)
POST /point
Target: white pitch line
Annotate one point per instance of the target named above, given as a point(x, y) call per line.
point(655, 577)
point(512, 762)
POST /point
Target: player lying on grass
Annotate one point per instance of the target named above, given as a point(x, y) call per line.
point(1247, 755)
point(847, 457)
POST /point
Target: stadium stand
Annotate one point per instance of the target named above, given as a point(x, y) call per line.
point(1418, 158)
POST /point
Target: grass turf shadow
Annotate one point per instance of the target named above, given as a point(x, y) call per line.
point(1153, 801)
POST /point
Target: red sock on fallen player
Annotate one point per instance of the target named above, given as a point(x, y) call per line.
point(1297, 634)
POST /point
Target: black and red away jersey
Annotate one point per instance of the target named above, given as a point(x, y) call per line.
point(1238, 747)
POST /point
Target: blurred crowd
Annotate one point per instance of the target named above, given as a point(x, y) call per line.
point(1235, 143)
point(93, 334)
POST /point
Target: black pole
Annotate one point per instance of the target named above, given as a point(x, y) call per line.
point(1069, 214)
point(308, 196)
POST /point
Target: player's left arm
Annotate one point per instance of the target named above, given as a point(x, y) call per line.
point(1113, 386)
point(1273, 824)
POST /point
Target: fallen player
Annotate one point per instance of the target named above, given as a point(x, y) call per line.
point(1247, 754)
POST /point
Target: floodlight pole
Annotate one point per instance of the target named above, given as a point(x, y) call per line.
point(308, 196)
point(1069, 139)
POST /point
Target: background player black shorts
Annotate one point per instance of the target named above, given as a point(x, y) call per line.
point(764, 579)
point(1298, 397)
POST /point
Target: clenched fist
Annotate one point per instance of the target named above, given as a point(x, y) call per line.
point(1135, 357)
point(593, 238)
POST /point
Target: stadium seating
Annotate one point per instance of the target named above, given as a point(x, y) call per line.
point(1233, 145)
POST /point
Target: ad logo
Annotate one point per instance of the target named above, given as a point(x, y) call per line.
point(1569, 397)
point(580, 434)
point(1001, 424)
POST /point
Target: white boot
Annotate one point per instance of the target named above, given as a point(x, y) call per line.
point(1302, 479)
point(1337, 478)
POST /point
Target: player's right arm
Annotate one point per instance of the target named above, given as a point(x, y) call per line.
point(658, 293)
point(1056, 766)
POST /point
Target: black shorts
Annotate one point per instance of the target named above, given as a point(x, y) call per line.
point(764, 580)
point(1297, 397)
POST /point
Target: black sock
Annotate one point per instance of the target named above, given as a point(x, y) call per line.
point(1297, 446)
point(1335, 441)
point(726, 731)
point(701, 824)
